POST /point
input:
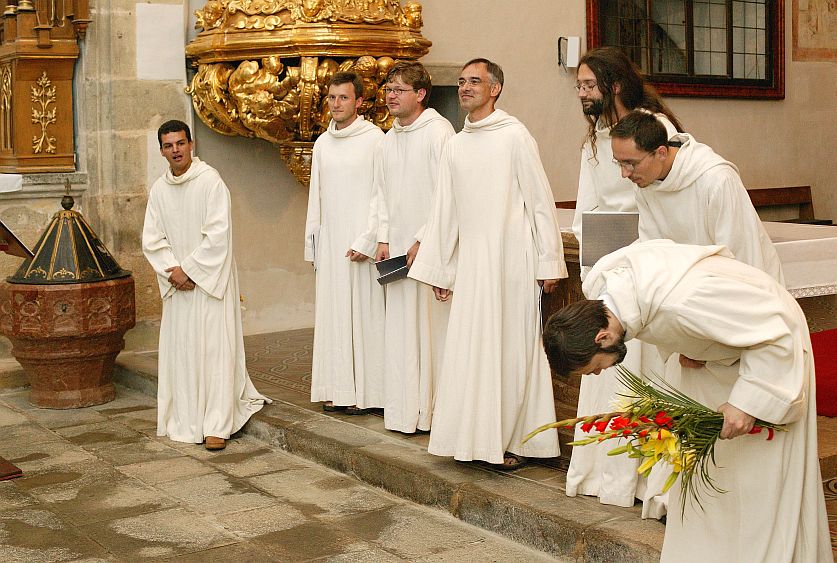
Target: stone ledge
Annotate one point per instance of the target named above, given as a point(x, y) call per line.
point(515, 507)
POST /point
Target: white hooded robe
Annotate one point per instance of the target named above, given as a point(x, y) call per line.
point(492, 234)
point(348, 359)
point(407, 164)
point(613, 479)
point(203, 388)
point(754, 338)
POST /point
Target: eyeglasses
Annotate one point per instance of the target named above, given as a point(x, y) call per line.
point(472, 81)
point(397, 91)
point(631, 166)
point(585, 86)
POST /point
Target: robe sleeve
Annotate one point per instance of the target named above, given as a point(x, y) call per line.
point(436, 148)
point(312, 220)
point(540, 208)
point(732, 220)
point(585, 199)
point(156, 246)
point(773, 376)
point(209, 265)
point(367, 241)
point(381, 208)
point(435, 263)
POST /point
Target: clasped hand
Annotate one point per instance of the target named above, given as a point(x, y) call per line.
point(179, 279)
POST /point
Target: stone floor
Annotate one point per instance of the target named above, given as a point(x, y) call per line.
point(528, 505)
point(99, 485)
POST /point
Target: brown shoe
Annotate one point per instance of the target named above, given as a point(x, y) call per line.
point(214, 443)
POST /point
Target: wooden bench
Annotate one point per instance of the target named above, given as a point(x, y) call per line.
point(799, 196)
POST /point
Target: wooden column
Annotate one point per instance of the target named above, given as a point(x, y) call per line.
point(38, 52)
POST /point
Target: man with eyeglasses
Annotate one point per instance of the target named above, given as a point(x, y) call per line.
point(492, 232)
point(609, 86)
point(347, 372)
point(688, 193)
point(406, 167)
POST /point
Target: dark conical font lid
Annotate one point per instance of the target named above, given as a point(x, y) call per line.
point(68, 252)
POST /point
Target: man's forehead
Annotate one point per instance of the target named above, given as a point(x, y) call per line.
point(624, 146)
point(345, 88)
point(173, 137)
point(476, 70)
point(397, 80)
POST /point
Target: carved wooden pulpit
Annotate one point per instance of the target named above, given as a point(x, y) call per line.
point(38, 52)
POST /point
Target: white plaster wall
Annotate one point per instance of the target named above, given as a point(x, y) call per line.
point(789, 142)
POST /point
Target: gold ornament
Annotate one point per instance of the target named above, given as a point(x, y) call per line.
point(263, 65)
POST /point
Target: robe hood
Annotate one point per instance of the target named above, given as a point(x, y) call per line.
point(197, 168)
point(358, 127)
point(426, 117)
point(497, 120)
point(679, 259)
point(692, 160)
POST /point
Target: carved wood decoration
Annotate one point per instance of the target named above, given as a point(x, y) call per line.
point(263, 65)
point(38, 52)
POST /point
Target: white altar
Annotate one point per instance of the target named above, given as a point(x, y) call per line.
point(808, 254)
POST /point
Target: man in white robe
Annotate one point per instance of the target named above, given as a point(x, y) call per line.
point(406, 165)
point(689, 194)
point(204, 393)
point(348, 361)
point(685, 192)
point(753, 342)
point(493, 232)
point(609, 86)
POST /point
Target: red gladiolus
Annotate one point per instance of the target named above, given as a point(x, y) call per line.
point(626, 432)
point(662, 419)
point(601, 425)
point(645, 419)
point(643, 433)
point(587, 427)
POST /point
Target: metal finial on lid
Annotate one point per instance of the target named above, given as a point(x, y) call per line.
point(67, 201)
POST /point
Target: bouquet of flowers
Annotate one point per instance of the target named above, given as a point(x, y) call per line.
point(659, 423)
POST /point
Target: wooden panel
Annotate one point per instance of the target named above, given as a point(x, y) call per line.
point(793, 195)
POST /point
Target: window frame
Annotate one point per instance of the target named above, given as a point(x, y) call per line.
point(772, 88)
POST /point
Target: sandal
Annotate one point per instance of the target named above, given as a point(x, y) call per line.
point(331, 407)
point(512, 461)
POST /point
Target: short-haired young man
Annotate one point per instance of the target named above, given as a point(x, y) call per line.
point(348, 361)
point(751, 339)
point(204, 393)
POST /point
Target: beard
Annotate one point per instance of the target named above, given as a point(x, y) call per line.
point(594, 107)
point(619, 349)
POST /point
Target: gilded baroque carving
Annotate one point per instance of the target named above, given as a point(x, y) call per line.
point(274, 14)
point(43, 94)
point(263, 65)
